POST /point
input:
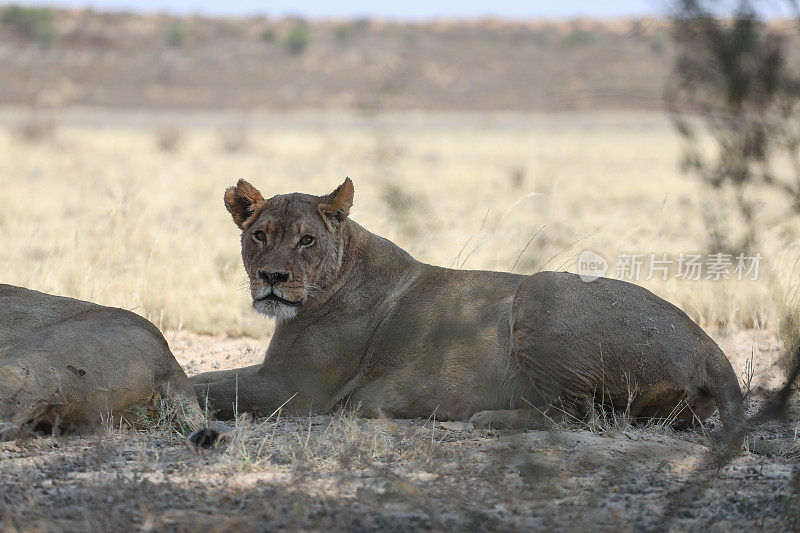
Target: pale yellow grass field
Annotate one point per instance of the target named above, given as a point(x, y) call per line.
point(103, 214)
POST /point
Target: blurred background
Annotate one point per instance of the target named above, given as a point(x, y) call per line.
point(492, 135)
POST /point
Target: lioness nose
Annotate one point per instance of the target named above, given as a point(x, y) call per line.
point(273, 277)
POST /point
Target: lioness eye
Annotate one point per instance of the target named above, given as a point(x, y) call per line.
point(306, 240)
point(260, 236)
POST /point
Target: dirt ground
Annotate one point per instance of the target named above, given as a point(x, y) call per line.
point(342, 472)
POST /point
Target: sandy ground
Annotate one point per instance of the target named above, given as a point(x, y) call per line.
point(341, 472)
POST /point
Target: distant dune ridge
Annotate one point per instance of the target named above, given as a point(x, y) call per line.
point(59, 58)
point(55, 58)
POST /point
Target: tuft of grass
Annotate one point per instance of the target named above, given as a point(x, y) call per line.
point(343, 442)
point(517, 176)
point(161, 414)
point(34, 130)
point(789, 332)
point(789, 325)
point(604, 419)
point(168, 139)
point(234, 140)
point(405, 209)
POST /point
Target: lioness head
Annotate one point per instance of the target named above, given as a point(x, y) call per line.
point(291, 244)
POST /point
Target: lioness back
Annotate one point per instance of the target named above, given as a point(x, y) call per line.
point(23, 311)
point(64, 361)
point(445, 344)
point(615, 342)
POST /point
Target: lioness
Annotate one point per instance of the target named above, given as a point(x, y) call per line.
point(360, 320)
point(66, 362)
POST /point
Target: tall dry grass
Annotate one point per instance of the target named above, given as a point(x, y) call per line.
point(105, 215)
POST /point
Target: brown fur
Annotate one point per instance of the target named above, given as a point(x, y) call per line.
point(360, 320)
point(243, 201)
point(65, 362)
point(337, 204)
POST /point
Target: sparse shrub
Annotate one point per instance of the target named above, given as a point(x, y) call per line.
point(234, 140)
point(175, 35)
point(405, 209)
point(168, 139)
point(398, 200)
point(658, 43)
point(517, 176)
point(580, 38)
point(35, 129)
point(494, 35)
point(409, 36)
point(32, 24)
point(268, 35)
point(736, 76)
point(298, 39)
point(544, 36)
point(360, 25)
point(343, 33)
point(387, 150)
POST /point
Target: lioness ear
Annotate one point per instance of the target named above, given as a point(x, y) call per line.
point(242, 202)
point(336, 205)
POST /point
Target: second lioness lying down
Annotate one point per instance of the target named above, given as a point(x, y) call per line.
point(67, 363)
point(360, 320)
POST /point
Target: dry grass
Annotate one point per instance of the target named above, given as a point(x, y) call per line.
point(341, 472)
point(106, 215)
point(34, 129)
point(789, 326)
point(109, 216)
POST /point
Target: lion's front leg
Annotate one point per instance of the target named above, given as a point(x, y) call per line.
point(227, 392)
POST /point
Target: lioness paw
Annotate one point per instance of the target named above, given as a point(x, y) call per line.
point(488, 420)
point(510, 419)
